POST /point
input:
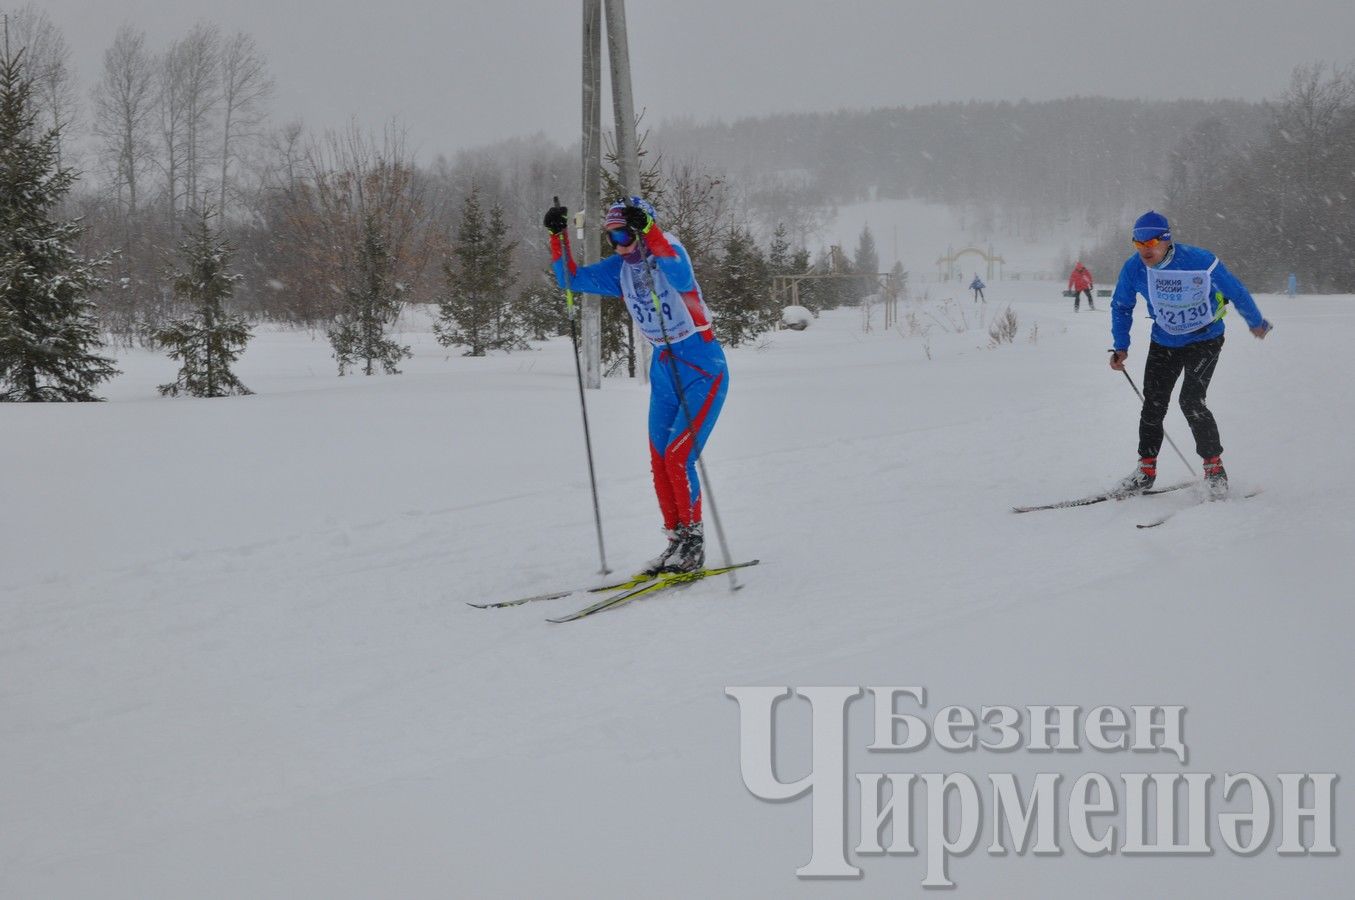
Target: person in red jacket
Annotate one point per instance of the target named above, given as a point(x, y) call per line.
point(1079, 282)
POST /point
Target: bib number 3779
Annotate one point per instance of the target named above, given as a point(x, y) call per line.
point(645, 311)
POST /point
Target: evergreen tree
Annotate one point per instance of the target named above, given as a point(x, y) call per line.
point(830, 293)
point(211, 339)
point(899, 276)
point(810, 291)
point(779, 257)
point(476, 311)
point(741, 296)
point(618, 338)
point(867, 262)
point(541, 310)
point(371, 304)
point(48, 330)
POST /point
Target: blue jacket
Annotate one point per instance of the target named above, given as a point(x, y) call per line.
point(1224, 288)
point(674, 281)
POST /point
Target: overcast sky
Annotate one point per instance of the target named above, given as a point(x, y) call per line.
point(460, 73)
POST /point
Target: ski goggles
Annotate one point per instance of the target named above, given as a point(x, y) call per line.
point(620, 237)
point(1151, 243)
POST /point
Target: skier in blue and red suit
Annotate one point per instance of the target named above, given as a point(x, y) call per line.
point(683, 345)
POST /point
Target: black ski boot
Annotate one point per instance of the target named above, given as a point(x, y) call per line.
point(690, 555)
point(1215, 478)
point(1141, 479)
point(660, 563)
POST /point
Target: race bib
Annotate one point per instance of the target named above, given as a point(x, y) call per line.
point(1181, 299)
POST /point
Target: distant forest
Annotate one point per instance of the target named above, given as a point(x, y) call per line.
point(167, 135)
point(1269, 186)
point(1086, 157)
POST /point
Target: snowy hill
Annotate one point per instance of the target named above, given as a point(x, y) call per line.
point(235, 660)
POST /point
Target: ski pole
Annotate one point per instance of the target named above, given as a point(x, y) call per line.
point(1164, 430)
point(568, 257)
point(686, 411)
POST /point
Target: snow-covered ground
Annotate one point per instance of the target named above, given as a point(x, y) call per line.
point(235, 660)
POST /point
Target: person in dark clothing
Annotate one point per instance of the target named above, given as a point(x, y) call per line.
point(977, 287)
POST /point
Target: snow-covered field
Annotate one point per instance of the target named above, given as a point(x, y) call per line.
point(235, 660)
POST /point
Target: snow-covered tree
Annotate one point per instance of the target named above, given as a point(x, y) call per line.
point(476, 310)
point(371, 304)
point(48, 331)
point(211, 339)
point(779, 257)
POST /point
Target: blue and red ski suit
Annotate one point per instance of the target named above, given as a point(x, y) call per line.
point(695, 357)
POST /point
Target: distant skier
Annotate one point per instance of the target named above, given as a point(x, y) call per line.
point(675, 443)
point(1292, 286)
point(1080, 282)
point(1187, 290)
point(977, 287)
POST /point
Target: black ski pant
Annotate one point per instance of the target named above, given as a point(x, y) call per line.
point(1164, 366)
point(1077, 298)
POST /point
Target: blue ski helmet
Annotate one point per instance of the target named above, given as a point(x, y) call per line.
point(1152, 224)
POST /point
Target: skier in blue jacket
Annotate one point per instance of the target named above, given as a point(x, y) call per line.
point(977, 287)
point(1187, 291)
point(684, 346)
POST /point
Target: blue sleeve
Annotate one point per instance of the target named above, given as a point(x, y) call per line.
point(600, 278)
point(1122, 304)
point(1237, 294)
point(676, 268)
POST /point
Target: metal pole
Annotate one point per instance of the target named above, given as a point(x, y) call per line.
point(623, 113)
point(568, 254)
point(1164, 430)
point(589, 231)
point(623, 104)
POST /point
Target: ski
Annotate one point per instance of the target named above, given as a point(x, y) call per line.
point(633, 581)
point(661, 582)
point(1163, 519)
point(1104, 496)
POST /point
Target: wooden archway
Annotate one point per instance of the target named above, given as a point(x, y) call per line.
point(947, 267)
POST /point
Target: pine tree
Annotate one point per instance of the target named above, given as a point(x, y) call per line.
point(899, 278)
point(810, 292)
point(778, 252)
point(867, 262)
point(540, 309)
point(48, 330)
point(371, 304)
point(211, 339)
point(741, 298)
point(476, 311)
point(831, 293)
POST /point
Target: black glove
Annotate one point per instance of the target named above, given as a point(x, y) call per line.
point(556, 220)
point(637, 220)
